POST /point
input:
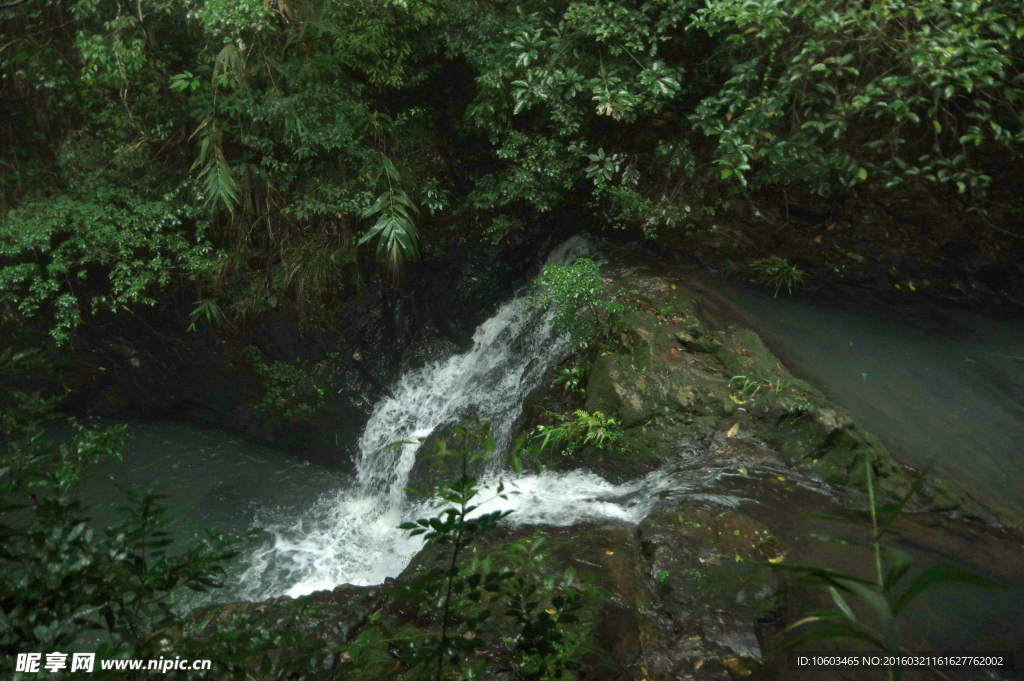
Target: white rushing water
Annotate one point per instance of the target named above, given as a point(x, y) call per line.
point(352, 536)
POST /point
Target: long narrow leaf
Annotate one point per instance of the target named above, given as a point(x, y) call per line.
point(940, 574)
point(914, 489)
point(832, 631)
point(843, 606)
point(901, 563)
point(876, 600)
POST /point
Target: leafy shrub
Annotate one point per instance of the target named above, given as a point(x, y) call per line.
point(55, 251)
point(851, 93)
point(574, 291)
point(292, 392)
point(65, 578)
point(464, 591)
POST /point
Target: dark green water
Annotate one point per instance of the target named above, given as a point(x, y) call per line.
point(211, 479)
point(939, 384)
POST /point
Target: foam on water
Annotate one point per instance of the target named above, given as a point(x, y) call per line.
point(352, 536)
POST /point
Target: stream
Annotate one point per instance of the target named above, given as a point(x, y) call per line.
point(939, 384)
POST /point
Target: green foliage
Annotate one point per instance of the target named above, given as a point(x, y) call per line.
point(208, 309)
point(65, 578)
point(270, 117)
point(778, 273)
point(579, 430)
point(885, 594)
point(574, 291)
point(219, 186)
point(500, 227)
point(55, 250)
point(396, 233)
point(825, 92)
point(574, 377)
point(603, 168)
point(467, 592)
point(292, 392)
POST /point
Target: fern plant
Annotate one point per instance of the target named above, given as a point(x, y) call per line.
point(579, 430)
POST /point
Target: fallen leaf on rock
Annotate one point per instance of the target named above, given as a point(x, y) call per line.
point(732, 431)
point(745, 353)
point(817, 239)
point(698, 664)
point(780, 478)
point(469, 635)
point(609, 553)
point(776, 559)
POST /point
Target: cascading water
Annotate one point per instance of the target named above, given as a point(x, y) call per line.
point(351, 536)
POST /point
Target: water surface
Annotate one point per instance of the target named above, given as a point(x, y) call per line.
point(939, 384)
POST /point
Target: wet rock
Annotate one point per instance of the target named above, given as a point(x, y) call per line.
point(574, 248)
point(317, 624)
point(947, 495)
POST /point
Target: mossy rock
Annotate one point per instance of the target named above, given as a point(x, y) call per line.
point(840, 460)
point(947, 495)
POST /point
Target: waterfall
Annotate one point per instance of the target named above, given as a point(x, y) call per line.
point(351, 536)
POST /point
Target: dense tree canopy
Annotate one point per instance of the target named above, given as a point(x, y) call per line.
point(249, 148)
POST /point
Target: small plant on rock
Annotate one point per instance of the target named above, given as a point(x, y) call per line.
point(573, 378)
point(579, 430)
point(574, 291)
point(778, 273)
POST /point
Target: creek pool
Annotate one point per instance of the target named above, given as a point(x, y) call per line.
point(939, 384)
